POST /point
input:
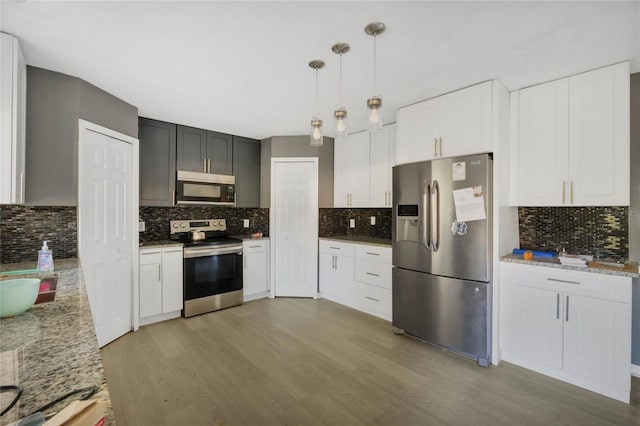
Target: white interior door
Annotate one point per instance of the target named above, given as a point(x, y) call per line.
point(107, 211)
point(294, 225)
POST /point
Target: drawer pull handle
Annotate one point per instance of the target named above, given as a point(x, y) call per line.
point(373, 275)
point(563, 281)
point(335, 248)
point(371, 298)
point(255, 246)
point(373, 254)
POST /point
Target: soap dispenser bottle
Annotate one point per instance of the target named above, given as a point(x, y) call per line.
point(45, 258)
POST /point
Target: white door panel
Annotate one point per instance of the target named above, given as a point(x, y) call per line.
point(295, 215)
point(106, 197)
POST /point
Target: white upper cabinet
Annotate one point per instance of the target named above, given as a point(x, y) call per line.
point(540, 158)
point(599, 139)
point(417, 132)
point(13, 96)
point(570, 141)
point(351, 170)
point(458, 123)
point(382, 152)
point(362, 168)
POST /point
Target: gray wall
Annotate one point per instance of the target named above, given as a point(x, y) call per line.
point(634, 213)
point(298, 146)
point(55, 102)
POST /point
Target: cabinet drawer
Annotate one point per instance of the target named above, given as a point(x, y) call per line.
point(150, 256)
point(375, 273)
point(336, 247)
point(373, 300)
point(254, 246)
point(377, 253)
point(601, 286)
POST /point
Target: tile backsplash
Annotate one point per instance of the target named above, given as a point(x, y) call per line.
point(22, 230)
point(599, 231)
point(157, 219)
point(335, 222)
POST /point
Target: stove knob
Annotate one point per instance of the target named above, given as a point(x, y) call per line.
point(183, 225)
point(175, 225)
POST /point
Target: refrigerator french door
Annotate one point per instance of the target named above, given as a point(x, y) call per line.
point(441, 264)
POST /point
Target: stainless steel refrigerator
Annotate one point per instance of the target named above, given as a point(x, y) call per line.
point(442, 253)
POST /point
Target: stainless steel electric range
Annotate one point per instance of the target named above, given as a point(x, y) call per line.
point(212, 265)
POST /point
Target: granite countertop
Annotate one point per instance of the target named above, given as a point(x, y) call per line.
point(248, 237)
point(373, 241)
point(630, 269)
point(52, 348)
point(160, 244)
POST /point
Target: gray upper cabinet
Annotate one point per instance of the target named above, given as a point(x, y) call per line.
point(192, 149)
point(246, 168)
point(220, 153)
point(157, 162)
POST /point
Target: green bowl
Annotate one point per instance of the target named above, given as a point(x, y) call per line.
point(17, 295)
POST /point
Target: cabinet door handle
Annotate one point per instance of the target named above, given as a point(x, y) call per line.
point(335, 259)
point(563, 281)
point(571, 191)
point(244, 261)
point(440, 139)
point(173, 198)
point(563, 191)
point(373, 254)
point(558, 306)
point(159, 273)
point(371, 298)
point(566, 309)
point(209, 165)
point(255, 246)
point(204, 165)
point(435, 147)
point(372, 274)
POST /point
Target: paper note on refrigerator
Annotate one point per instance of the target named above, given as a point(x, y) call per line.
point(469, 204)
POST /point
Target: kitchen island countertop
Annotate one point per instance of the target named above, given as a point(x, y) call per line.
point(630, 270)
point(52, 348)
point(359, 240)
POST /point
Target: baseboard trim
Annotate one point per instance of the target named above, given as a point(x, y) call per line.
point(635, 370)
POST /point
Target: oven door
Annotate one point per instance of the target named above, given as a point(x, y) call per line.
point(211, 271)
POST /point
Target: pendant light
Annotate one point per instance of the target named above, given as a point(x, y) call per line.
point(374, 103)
point(340, 114)
point(315, 137)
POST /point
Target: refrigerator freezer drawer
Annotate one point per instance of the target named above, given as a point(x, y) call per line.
point(444, 311)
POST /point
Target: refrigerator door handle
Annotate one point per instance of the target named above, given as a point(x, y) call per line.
point(435, 213)
point(426, 216)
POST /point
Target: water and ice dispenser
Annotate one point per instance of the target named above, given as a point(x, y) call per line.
point(407, 225)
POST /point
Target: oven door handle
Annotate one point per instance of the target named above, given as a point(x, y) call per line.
point(208, 251)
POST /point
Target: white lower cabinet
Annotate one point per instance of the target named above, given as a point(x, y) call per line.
point(356, 275)
point(571, 325)
point(161, 294)
point(255, 278)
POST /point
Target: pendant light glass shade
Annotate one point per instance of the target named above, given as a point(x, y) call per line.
point(374, 103)
point(315, 138)
point(340, 114)
point(315, 135)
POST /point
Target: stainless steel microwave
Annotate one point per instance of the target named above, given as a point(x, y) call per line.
point(195, 188)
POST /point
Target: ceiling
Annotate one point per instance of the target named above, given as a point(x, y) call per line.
point(241, 67)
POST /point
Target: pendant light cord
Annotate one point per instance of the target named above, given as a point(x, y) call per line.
point(340, 106)
point(374, 65)
point(316, 112)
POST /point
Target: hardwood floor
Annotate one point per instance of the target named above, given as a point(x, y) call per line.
point(308, 362)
